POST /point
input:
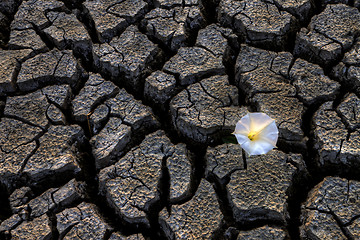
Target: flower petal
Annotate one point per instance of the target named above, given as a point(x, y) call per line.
point(242, 138)
point(269, 133)
point(258, 121)
point(243, 125)
point(257, 147)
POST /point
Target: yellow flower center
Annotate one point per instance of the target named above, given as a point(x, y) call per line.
point(253, 135)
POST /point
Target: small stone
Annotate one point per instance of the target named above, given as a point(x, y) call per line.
point(197, 218)
point(159, 87)
point(110, 142)
point(316, 47)
point(193, 63)
point(83, 221)
point(41, 204)
point(179, 170)
point(51, 67)
point(265, 232)
point(39, 228)
point(96, 90)
point(128, 57)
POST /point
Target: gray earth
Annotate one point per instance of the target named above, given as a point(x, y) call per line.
point(116, 119)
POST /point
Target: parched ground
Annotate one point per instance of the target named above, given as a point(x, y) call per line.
point(112, 115)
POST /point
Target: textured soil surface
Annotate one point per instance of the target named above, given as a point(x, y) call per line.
point(113, 115)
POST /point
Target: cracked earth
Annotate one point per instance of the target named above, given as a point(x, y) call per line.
point(113, 115)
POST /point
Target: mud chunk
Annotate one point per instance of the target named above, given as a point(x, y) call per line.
point(10, 65)
point(173, 25)
point(67, 32)
point(39, 228)
point(333, 143)
point(30, 108)
point(311, 83)
point(223, 159)
point(16, 133)
point(34, 108)
point(264, 185)
point(265, 232)
point(51, 200)
point(9, 7)
point(26, 39)
point(33, 12)
point(276, 96)
point(8, 224)
point(110, 142)
point(330, 209)
point(128, 56)
point(51, 67)
point(348, 70)
point(329, 34)
point(19, 197)
point(69, 193)
point(217, 40)
point(302, 10)
point(193, 63)
point(119, 236)
point(205, 110)
point(132, 112)
point(261, 23)
point(159, 87)
point(55, 115)
point(98, 118)
point(112, 17)
point(132, 182)
point(198, 218)
point(349, 110)
point(96, 90)
point(83, 221)
point(57, 154)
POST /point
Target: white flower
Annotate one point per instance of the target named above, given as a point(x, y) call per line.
point(256, 133)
